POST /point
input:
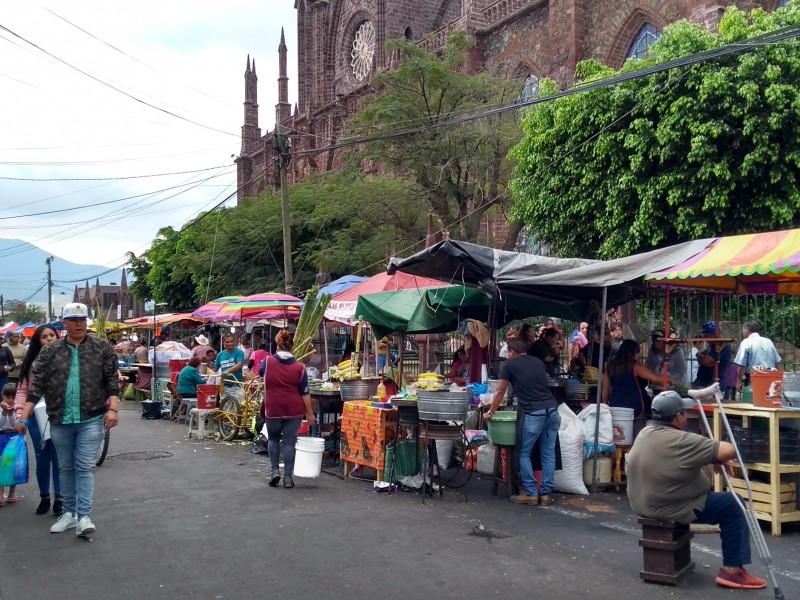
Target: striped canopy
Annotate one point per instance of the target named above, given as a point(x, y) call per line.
point(210, 309)
point(760, 263)
point(257, 305)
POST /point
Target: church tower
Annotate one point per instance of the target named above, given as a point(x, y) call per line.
point(283, 110)
point(251, 133)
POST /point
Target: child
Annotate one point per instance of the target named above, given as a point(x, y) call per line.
point(7, 420)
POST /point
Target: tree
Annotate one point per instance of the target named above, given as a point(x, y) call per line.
point(21, 312)
point(463, 169)
point(705, 150)
point(341, 222)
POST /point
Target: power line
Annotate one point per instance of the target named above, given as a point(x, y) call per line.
point(111, 178)
point(116, 89)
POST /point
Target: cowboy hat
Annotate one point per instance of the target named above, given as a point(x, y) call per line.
point(201, 339)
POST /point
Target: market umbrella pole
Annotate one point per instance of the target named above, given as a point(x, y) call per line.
point(401, 360)
point(599, 389)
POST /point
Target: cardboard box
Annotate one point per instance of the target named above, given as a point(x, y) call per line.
point(365, 433)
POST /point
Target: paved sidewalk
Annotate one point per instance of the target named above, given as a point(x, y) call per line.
point(195, 519)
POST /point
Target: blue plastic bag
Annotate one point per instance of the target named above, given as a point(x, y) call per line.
point(14, 462)
point(475, 391)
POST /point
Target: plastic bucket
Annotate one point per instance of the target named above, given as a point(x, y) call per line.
point(206, 396)
point(603, 470)
point(622, 423)
point(308, 456)
point(767, 388)
point(503, 428)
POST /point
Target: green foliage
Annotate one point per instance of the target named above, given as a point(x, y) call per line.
point(341, 222)
point(21, 313)
point(462, 170)
point(700, 151)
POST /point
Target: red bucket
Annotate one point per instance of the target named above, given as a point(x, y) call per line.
point(767, 388)
point(206, 396)
point(177, 364)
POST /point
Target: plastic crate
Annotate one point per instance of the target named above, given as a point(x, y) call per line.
point(160, 386)
point(754, 444)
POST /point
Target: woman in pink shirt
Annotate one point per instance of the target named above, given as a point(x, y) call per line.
point(46, 459)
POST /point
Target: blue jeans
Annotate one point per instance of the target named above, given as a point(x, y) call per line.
point(540, 425)
point(721, 509)
point(77, 447)
point(289, 429)
point(46, 461)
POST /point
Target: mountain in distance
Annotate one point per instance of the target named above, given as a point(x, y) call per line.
point(23, 271)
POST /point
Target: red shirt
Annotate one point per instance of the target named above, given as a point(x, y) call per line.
point(285, 384)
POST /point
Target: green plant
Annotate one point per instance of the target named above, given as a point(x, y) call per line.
point(310, 318)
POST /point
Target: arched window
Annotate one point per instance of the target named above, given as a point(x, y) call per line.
point(530, 90)
point(647, 36)
point(409, 33)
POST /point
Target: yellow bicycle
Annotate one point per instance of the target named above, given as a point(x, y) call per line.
point(239, 403)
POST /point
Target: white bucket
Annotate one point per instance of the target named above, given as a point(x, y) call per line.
point(622, 423)
point(308, 456)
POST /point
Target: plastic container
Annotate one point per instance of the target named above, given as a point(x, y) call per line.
point(308, 457)
point(442, 406)
point(622, 423)
point(486, 455)
point(503, 428)
point(603, 470)
point(767, 388)
point(206, 396)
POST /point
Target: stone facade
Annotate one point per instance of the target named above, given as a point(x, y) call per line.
point(341, 47)
point(110, 297)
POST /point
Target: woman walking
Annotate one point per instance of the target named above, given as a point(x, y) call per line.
point(286, 402)
point(45, 452)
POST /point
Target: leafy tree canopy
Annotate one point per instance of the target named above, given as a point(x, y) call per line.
point(20, 312)
point(341, 223)
point(706, 150)
point(462, 169)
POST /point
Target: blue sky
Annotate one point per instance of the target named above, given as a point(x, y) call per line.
point(187, 58)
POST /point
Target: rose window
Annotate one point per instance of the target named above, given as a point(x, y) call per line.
point(363, 51)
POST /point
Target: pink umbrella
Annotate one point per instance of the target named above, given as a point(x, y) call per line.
point(251, 306)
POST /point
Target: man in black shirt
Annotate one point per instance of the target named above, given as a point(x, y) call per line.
point(538, 410)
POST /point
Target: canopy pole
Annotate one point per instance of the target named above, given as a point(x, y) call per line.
point(599, 390)
point(666, 336)
point(716, 333)
point(324, 338)
point(401, 357)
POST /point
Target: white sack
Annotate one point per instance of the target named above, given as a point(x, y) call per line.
point(569, 480)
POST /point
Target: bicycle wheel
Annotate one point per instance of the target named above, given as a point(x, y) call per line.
point(230, 419)
point(103, 452)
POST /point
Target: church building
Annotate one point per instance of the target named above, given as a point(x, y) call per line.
point(341, 48)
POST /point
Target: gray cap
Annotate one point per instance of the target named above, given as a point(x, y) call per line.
point(668, 404)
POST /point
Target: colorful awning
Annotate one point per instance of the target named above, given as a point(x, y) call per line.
point(760, 263)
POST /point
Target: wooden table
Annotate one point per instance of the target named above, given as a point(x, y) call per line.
point(774, 502)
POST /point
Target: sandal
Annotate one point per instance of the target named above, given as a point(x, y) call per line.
point(12, 497)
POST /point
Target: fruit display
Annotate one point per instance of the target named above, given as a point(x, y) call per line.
point(590, 375)
point(429, 381)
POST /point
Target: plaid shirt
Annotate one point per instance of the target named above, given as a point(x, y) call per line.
point(98, 377)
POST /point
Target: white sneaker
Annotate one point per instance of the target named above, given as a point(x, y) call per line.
point(65, 521)
point(85, 527)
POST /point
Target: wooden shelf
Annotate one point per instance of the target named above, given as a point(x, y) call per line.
point(778, 512)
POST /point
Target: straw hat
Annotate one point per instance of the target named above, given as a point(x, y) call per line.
point(201, 339)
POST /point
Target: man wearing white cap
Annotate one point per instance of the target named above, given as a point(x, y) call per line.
point(202, 347)
point(666, 482)
point(77, 377)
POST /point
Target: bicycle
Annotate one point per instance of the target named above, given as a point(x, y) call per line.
point(234, 415)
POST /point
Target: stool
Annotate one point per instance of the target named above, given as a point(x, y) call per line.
point(667, 551)
point(197, 422)
point(511, 477)
point(187, 404)
point(433, 431)
point(619, 459)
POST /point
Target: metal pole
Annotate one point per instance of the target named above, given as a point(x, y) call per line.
point(49, 262)
point(599, 388)
point(282, 144)
point(2, 311)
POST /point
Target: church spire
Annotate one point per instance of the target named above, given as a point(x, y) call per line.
point(283, 110)
point(250, 130)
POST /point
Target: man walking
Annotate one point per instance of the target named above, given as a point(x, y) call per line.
point(666, 482)
point(754, 351)
point(18, 351)
point(538, 412)
point(77, 377)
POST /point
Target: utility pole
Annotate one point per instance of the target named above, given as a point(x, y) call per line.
point(49, 262)
point(282, 143)
point(2, 312)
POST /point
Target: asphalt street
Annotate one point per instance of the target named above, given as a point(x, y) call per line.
point(180, 518)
